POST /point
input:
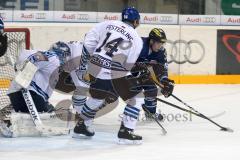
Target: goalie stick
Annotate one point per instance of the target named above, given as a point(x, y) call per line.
point(44, 130)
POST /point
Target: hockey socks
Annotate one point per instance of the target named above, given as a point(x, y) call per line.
point(125, 134)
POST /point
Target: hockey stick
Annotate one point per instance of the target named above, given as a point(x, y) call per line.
point(202, 115)
point(164, 132)
point(150, 69)
point(154, 79)
point(196, 113)
point(44, 130)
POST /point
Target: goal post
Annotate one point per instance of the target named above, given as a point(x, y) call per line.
point(16, 31)
point(18, 39)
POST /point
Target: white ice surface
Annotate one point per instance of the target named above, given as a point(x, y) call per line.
point(196, 139)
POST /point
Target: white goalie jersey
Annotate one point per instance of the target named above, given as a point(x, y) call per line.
point(114, 47)
point(45, 77)
point(48, 69)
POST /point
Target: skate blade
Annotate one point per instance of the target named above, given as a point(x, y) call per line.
point(227, 129)
point(129, 142)
point(81, 136)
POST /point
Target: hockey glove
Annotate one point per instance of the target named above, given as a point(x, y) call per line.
point(140, 72)
point(168, 86)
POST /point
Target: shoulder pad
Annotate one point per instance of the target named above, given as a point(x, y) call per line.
point(40, 57)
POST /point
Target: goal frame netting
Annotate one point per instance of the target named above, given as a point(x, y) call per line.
point(25, 30)
point(18, 39)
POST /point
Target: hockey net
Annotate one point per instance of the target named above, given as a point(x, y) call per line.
point(18, 39)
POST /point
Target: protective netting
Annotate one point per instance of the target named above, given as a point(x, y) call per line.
point(18, 39)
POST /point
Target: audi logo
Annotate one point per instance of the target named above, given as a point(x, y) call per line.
point(40, 16)
point(166, 19)
point(181, 51)
point(209, 20)
point(82, 16)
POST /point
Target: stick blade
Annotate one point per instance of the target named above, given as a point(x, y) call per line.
point(226, 129)
point(164, 132)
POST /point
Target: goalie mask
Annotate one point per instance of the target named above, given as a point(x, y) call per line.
point(62, 50)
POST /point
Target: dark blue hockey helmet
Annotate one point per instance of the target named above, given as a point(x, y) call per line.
point(62, 51)
point(130, 14)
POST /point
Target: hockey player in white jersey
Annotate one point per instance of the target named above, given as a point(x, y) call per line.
point(62, 56)
point(36, 74)
point(114, 47)
point(47, 65)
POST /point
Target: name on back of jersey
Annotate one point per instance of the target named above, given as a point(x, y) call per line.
point(120, 30)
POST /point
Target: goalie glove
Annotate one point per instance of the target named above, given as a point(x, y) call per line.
point(3, 43)
point(168, 86)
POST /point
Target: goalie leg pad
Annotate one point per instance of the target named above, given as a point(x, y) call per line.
point(23, 126)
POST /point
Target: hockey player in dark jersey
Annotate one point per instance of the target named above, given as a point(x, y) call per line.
point(154, 53)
